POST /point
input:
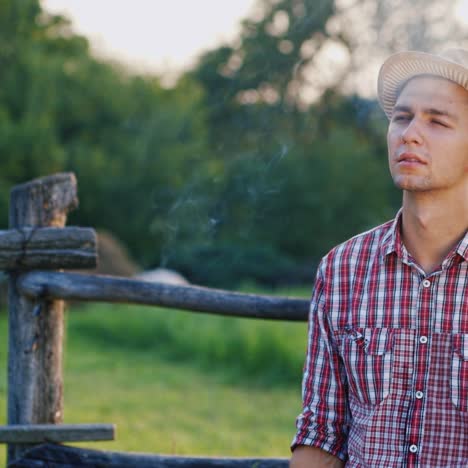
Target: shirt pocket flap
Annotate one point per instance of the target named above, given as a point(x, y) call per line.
point(378, 340)
point(372, 341)
point(460, 345)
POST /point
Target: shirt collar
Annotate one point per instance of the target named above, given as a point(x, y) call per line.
point(392, 243)
point(462, 248)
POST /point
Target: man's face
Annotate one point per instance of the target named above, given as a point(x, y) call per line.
point(428, 136)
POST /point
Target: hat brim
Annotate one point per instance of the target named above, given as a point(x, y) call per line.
point(401, 67)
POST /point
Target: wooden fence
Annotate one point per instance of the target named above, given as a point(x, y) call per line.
point(38, 244)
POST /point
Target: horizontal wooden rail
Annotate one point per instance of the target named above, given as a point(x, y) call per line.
point(48, 247)
point(49, 455)
point(80, 287)
point(41, 433)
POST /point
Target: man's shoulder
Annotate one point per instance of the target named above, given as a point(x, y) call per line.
point(364, 245)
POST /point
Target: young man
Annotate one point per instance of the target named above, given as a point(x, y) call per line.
point(386, 375)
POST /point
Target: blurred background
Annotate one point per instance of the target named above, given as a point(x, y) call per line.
point(230, 141)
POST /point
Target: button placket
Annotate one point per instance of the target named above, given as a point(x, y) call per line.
point(418, 393)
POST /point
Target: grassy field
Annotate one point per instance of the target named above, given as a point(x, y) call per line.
point(180, 383)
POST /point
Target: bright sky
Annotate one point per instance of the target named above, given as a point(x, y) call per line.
point(154, 34)
point(162, 35)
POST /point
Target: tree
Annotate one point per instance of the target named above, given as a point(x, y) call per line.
point(299, 174)
point(259, 159)
point(130, 141)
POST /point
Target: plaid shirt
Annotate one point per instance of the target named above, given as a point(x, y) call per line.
point(386, 375)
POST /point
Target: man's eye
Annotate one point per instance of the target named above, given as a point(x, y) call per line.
point(438, 122)
point(399, 118)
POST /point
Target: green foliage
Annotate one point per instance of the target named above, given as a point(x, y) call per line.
point(132, 168)
point(294, 179)
point(243, 351)
point(230, 174)
point(227, 265)
point(130, 142)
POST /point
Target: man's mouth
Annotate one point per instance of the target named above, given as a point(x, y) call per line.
point(410, 159)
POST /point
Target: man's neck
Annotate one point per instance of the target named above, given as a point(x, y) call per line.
point(432, 227)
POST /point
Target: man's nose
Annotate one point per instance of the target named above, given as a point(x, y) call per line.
point(412, 132)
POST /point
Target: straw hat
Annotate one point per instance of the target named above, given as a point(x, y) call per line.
point(399, 68)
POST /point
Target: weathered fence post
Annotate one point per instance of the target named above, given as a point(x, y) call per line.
point(36, 327)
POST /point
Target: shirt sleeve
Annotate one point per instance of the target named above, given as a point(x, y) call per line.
point(324, 421)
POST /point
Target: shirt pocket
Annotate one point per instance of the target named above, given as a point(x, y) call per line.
point(459, 374)
point(367, 355)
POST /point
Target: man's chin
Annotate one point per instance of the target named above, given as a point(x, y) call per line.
point(411, 184)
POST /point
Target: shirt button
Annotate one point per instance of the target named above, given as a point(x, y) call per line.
point(426, 283)
point(423, 339)
point(413, 448)
point(419, 395)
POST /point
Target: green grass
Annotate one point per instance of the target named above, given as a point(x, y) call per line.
point(180, 383)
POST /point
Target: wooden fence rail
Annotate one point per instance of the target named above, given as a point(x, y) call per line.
point(38, 240)
point(42, 433)
point(45, 285)
point(48, 456)
point(31, 248)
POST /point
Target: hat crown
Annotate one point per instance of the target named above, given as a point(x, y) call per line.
point(451, 64)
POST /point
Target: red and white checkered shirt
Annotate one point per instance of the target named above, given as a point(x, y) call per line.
point(386, 375)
